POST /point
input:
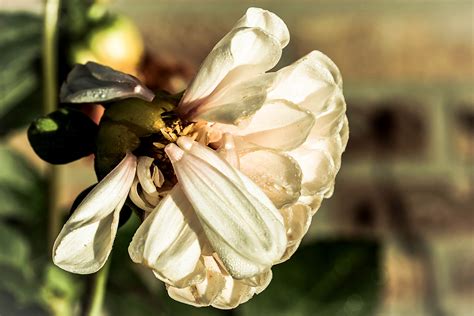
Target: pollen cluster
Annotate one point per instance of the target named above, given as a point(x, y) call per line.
point(170, 133)
point(154, 145)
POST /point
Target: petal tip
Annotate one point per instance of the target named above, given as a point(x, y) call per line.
point(174, 152)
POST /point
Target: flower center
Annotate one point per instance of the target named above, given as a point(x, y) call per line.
point(153, 146)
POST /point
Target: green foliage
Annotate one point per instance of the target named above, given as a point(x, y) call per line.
point(21, 225)
point(29, 284)
point(61, 291)
point(19, 81)
point(15, 248)
point(323, 278)
point(21, 188)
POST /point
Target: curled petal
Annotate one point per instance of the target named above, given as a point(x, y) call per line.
point(308, 82)
point(158, 177)
point(243, 53)
point(168, 241)
point(297, 220)
point(205, 292)
point(279, 124)
point(328, 123)
point(278, 175)
point(344, 133)
point(94, 83)
point(85, 241)
point(259, 281)
point(219, 289)
point(290, 250)
point(313, 201)
point(234, 103)
point(234, 293)
point(269, 21)
point(318, 166)
point(138, 199)
point(148, 179)
point(144, 174)
point(241, 223)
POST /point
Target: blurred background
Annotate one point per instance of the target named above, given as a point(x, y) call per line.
point(397, 236)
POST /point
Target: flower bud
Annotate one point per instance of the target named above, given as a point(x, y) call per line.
point(63, 136)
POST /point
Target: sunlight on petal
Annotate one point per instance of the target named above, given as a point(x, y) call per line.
point(85, 241)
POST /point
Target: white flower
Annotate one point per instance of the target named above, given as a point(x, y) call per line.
point(263, 151)
point(267, 150)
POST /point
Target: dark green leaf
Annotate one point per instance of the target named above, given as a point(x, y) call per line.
point(63, 136)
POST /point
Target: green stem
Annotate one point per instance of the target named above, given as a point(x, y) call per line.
point(98, 291)
point(50, 97)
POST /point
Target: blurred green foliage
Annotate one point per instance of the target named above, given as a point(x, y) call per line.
point(20, 49)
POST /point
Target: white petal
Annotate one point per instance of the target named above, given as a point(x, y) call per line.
point(278, 175)
point(313, 201)
point(158, 177)
point(85, 241)
point(242, 225)
point(147, 180)
point(219, 289)
point(297, 221)
point(168, 240)
point(308, 82)
point(138, 199)
point(241, 54)
point(279, 124)
point(290, 250)
point(236, 292)
point(269, 21)
point(229, 151)
point(318, 166)
point(205, 292)
point(259, 281)
point(230, 104)
point(95, 83)
point(329, 122)
point(344, 133)
point(144, 174)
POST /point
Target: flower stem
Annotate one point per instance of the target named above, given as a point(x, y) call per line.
point(50, 103)
point(98, 291)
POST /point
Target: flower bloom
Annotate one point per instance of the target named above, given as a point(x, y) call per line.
point(264, 151)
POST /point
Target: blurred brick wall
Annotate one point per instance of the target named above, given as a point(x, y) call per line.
point(406, 176)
